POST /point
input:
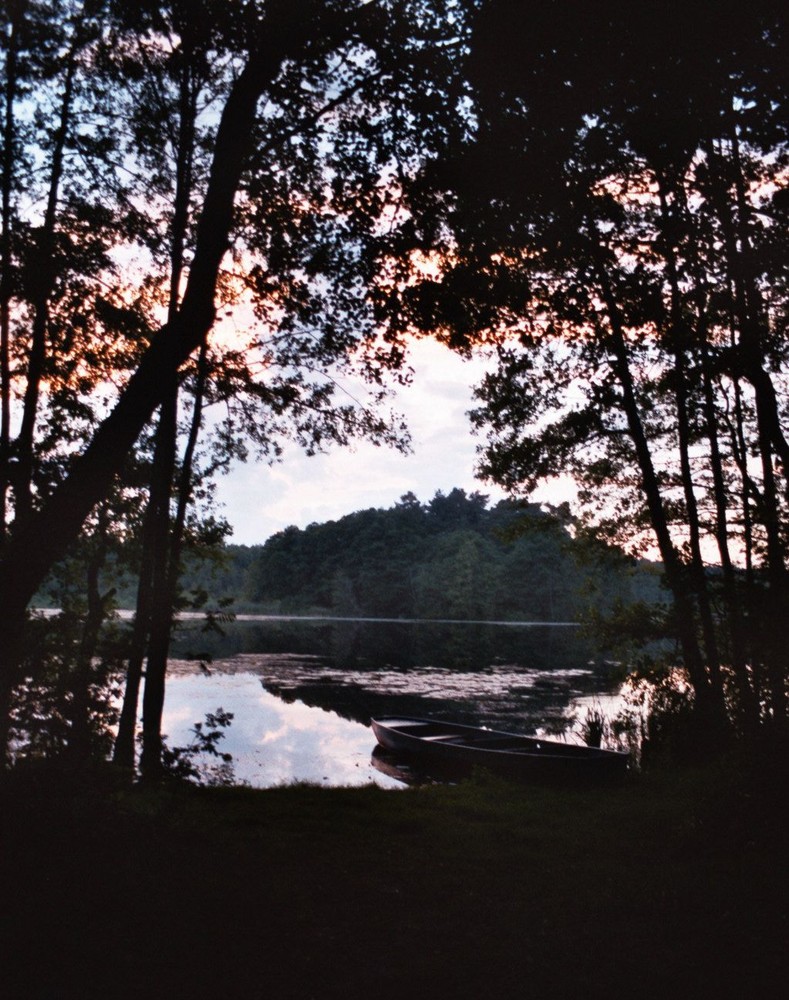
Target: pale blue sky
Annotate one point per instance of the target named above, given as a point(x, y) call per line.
point(260, 500)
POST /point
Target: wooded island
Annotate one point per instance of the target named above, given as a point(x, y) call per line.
point(451, 557)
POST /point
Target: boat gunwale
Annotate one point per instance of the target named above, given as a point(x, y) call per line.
point(571, 753)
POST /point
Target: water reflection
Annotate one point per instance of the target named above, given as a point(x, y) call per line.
point(272, 741)
point(349, 643)
point(501, 696)
point(403, 771)
point(302, 708)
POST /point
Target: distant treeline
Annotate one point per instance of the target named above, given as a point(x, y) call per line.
point(453, 557)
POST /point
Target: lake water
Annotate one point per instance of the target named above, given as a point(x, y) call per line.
point(302, 691)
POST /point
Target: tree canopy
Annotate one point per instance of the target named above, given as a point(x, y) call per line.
point(612, 224)
point(453, 557)
point(212, 174)
point(237, 204)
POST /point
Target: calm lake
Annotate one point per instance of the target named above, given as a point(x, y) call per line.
point(302, 691)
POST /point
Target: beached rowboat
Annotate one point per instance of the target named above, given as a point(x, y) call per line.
point(455, 745)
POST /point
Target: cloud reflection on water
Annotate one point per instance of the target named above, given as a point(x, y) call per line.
point(298, 717)
point(272, 742)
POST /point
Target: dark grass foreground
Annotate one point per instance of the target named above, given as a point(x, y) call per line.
point(668, 885)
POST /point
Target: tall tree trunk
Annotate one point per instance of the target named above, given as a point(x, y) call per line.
point(42, 292)
point(156, 541)
point(771, 440)
point(732, 592)
point(6, 263)
point(708, 699)
point(167, 591)
point(771, 437)
point(743, 603)
point(80, 736)
point(123, 750)
point(678, 346)
point(156, 664)
point(748, 705)
point(162, 594)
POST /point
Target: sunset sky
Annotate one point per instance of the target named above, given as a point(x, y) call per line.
point(260, 500)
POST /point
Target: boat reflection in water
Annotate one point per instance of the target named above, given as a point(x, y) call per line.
point(395, 767)
point(409, 771)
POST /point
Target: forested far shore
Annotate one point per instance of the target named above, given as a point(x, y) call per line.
point(452, 557)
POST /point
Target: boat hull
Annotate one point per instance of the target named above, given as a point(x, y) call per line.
point(458, 746)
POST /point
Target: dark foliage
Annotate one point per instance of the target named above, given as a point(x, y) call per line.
point(453, 557)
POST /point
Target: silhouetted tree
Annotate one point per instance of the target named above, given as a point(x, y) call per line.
point(612, 223)
point(323, 108)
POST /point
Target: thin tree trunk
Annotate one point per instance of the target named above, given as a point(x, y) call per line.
point(771, 441)
point(709, 700)
point(187, 466)
point(770, 438)
point(749, 497)
point(6, 264)
point(80, 738)
point(162, 603)
point(678, 338)
point(156, 665)
point(162, 620)
point(123, 750)
point(44, 284)
point(748, 705)
point(156, 541)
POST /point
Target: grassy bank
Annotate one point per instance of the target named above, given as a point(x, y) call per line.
point(667, 885)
